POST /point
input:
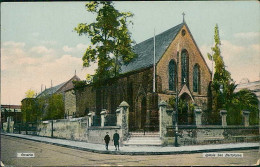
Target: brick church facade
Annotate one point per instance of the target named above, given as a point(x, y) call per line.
point(135, 84)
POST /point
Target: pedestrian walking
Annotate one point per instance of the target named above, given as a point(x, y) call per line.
point(107, 139)
point(116, 140)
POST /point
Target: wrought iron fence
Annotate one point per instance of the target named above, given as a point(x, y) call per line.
point(30, 126)
point(110, 120)
point(96, 120)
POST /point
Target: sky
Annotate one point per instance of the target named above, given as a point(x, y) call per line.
point(39, 45)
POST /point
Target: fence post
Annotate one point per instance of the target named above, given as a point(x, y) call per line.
point(19, 128)
point(118, 117)
point(223, 114)
point(8, 124)
point(198, 112)
point(90, 119)
point(124, 119)
point(26, 128)
point(246, 118)
point(162, 109)
point(103, 113)
point(51, 128)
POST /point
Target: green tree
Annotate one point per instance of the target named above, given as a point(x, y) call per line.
point(55, 109)
point(30, 93)
point(223, 91)
point(30, 110)
point(222, 78)
point(243, 100)
point(111, 44)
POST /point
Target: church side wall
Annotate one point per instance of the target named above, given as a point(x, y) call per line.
point(85, 100)
point(132, 88)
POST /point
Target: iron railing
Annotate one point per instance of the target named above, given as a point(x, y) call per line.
point(96, 120)
point(110, 120)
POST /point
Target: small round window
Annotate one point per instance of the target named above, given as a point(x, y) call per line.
point(183, 32)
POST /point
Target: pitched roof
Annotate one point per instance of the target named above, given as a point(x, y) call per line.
point(145, 49)
point(50, 91)
point(59, 88)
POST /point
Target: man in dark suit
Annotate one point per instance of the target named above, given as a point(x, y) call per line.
point(116, 140)
point(107, 139)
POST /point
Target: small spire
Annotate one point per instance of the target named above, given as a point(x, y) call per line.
point(183, 14)
point(75, 72)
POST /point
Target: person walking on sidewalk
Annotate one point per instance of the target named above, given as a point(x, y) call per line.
point(116, 140)
point(107, 139)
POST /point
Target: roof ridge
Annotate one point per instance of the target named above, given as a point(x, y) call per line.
point(144, 49)
point(151, 38)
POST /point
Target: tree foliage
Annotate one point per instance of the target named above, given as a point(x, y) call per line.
point(227, 98)
point(183, 105)
point(55, 109)
point(243, 100)
point(79, 84)
point(111, 44)
point(221, 75)
point(30, 110)
point(30, 93)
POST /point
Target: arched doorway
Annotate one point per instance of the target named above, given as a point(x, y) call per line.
point(185, 111)
point(143, 112)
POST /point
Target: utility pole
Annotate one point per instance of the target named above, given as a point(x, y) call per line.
point(177, 101)
point(154, 62)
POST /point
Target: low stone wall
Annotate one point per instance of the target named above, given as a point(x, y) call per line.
point(97, 134)
point(192, 135)
point(74, 129)
point(77, 129)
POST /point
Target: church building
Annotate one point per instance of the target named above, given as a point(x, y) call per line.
point(167, 65)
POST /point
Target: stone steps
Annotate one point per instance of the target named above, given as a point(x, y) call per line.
point(146, 134)
point(139, 139)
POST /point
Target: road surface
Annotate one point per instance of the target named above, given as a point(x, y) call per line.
point(51, 155)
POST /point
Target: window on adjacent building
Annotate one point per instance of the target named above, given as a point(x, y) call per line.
point(184, 67)
point(172, 75)
point(196, 78)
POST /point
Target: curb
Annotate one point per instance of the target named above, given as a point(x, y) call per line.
point(139, 153)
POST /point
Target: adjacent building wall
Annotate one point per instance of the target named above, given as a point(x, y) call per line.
point(70, 102)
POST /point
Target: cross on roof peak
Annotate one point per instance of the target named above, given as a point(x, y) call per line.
point(183, 14)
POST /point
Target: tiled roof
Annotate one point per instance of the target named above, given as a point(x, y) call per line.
point(52, 90)
point(59, 88)
point(145, 49)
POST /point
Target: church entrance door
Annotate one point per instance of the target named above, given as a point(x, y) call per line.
point(143, 113)
point(185, 114)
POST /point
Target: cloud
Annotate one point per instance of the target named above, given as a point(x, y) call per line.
point(29, 68)
point(256, 48)
point(247, 35)
point(67, 49)
point(49, 42)
point(14, 44)
point(242, 61)
point(41, 50)
point(78, 48)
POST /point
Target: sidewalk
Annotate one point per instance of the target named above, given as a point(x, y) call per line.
point(138, 150)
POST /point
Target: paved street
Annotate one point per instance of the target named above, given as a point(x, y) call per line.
point(51, 155)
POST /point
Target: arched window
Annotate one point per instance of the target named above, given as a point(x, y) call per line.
point(172, 75)
point(196, 78)
point(184, 67)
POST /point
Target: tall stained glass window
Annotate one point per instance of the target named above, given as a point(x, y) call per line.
point(196, 78)
point(184, 67)
point(172, 75)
